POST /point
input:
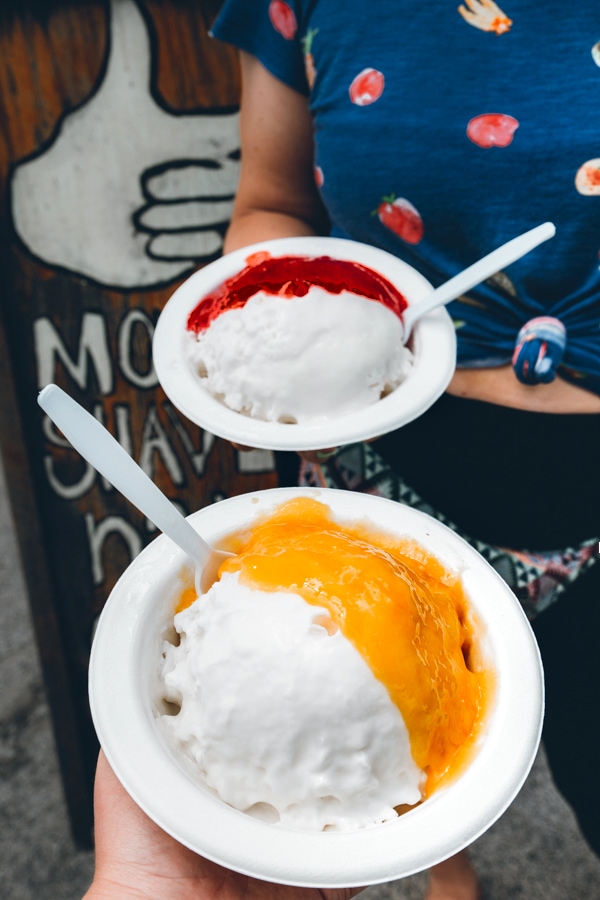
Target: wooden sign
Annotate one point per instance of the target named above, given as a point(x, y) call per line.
point(119, 159)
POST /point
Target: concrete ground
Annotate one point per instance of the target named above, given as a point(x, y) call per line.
point(534, 852)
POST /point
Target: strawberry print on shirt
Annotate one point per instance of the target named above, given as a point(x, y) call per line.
point(492, 130)
point(283, 19)
point(401, 217)
point(367, 87)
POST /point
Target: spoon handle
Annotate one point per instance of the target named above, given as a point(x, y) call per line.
point(484, 268)
point(97, 445)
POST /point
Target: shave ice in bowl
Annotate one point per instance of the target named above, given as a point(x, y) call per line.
point(299, 343)
point(311, 342)
point(357, 696)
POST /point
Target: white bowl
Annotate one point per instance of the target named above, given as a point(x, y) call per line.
point(125, 703)
point(433, 343)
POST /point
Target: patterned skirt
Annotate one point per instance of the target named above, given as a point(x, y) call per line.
point(537, 579)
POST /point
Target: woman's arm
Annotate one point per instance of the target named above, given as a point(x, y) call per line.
point(277, 195)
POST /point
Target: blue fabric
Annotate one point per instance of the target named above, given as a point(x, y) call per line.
point(440, 133)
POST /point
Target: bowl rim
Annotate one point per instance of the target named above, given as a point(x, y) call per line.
point(448, 821)
point(433, 342)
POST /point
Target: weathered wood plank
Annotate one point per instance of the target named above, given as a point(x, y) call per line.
point(107, 110)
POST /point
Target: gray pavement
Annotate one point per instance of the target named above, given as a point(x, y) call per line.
point(534, 852)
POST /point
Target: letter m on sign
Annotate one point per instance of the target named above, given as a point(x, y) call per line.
point(92, 348)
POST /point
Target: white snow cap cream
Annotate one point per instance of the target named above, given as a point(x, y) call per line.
point(299, 339)
point(330, 679)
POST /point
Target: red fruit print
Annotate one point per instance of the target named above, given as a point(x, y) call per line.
point(319, 177)
point(367, 87)
point(587, 180)
point(402, 218)
point(283, 19)
point(492, 130)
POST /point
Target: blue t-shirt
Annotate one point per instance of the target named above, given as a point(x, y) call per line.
point(442, 132)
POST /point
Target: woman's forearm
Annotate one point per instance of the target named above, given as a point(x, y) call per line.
point(277, 195)
point(256, 225)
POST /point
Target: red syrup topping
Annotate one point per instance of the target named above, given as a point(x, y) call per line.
point(292, 276)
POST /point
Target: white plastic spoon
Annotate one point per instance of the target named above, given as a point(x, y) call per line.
point(475, 274)
point(99, 447)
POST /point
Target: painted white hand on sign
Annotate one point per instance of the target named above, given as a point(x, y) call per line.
point(128, 193)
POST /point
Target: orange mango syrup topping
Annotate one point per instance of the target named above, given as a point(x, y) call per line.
point(406, 615)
